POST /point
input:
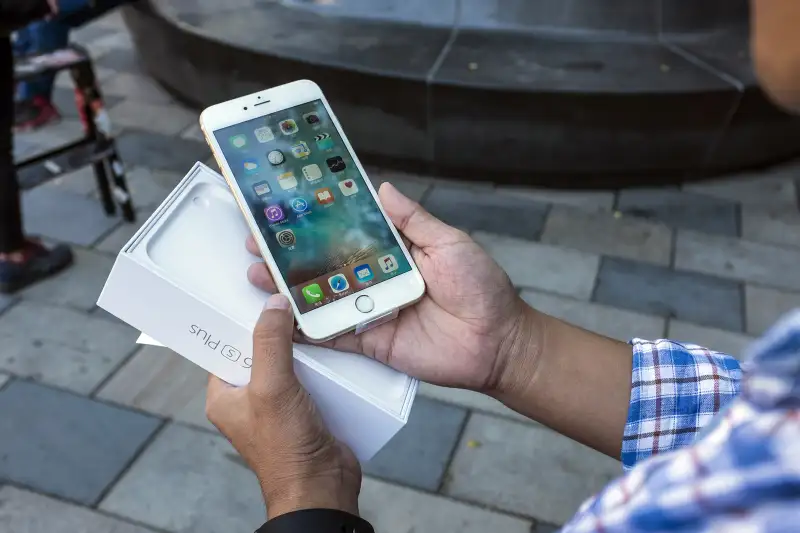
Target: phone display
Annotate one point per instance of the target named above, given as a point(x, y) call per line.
point(312, 205)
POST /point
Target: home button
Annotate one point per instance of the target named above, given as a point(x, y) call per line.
point(365, 304)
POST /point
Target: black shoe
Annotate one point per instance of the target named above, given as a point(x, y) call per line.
point(37, 264)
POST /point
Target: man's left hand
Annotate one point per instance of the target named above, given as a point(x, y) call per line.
point(274, 425)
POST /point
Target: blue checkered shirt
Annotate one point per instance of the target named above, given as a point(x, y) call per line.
point(709, 446)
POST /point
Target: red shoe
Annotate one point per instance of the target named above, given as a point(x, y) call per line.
point(33, 114)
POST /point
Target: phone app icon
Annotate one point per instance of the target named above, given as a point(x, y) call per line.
point(363, 273)
point(336, 164)
point(276, 158)
point(287, 181)
point(274, 213)
point(264, 134)
point(238, 141)
point(324, 196)
point(388, 264)
point(299, 205)
point(324, 141)
point(313, 293)
point(338, 283)
point(312, 172)
point(261, 189)
point(348, 187)
point(312, 118)
point(288, 126)
point(251, 166)
point(286, 238)
point(301, 149)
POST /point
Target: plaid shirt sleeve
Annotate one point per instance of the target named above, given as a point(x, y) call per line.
point(676, 389)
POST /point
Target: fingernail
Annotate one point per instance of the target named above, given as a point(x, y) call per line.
point(277, 301)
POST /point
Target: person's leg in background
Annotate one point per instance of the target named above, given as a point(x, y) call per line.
point(22, 260)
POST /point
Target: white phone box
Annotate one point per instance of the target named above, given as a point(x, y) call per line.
point(181, 280)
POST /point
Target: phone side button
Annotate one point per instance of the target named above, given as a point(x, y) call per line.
point(365, 304)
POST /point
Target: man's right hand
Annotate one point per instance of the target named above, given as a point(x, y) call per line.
point(469, 326)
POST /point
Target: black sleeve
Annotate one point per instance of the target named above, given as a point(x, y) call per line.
point(317, 521)
point(15, 14)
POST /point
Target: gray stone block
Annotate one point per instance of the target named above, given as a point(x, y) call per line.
point(609, 321)
point(66, 445)
point(393, 509)
point(158, 118)
point(525, 469)
point(6, 301)
point(160, 381)
point(734, 344)
point(82, 182)
point(777, 225)
point(417, 456)
point(681, 209)
point(64, 100)
point(488, 211)
point(766, 306)
point(189, 480)
point(4, 378)
point(706, 300)
point(543, 266)
point(410, 185)
point(770, 188)
point(118, 238)
point(758, 263)
point(79, 286)
point(585, 200)
point(65, 216)
point(118, 57)
point(155, 151)
point(66, 348)
point(136, 88)
point(54, 135)
point(27, 512)
point(603, 233)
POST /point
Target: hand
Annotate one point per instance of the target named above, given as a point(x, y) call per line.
point(465, 329)
point(53, 4)
point(274, 425)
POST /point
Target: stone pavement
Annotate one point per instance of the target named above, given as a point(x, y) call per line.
point(97, 434)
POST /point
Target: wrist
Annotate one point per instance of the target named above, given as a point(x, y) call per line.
point(520, 355)
point(326, 492)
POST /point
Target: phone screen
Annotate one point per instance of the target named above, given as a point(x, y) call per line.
point(311, 203)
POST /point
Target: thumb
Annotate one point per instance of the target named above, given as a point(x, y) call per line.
point(419, 226)
point(273, 364)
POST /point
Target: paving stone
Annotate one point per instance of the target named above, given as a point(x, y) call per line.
point(4, 379)
point(23, 149)
point(737, 259)
point(608, 321)
point(526, 469)
point(603, 233)
point(765, 306)
point(65, 216)
point(54, 135)
point(64, 79)
point(193, 133)
point(777, 225)
point(87, 33)
point(63, 347)
point(81, 181)
point(585, 200)
point(680, 209)
point(149, 188)
point(543, 266)
point(470, 400)
point(734, 344)
point(151, 150)
point(118, 58)
point(478, 210)
point(417, 456)
point(706, 300)
point(158, 380)
point(66, 445)
point(189, 480)
point(163, 119)
point(393, 509)
point(6, 301)
point(137, 88)
point(78, 286)
point(27, 512)
point(408, 184)
point(769, 188)
point(118, 238)
point(64, 100)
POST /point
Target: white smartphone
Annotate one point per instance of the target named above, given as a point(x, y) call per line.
point(311, 207)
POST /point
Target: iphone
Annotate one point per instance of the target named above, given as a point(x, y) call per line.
point(311, 207)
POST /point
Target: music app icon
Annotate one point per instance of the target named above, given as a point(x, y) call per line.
point(388, 264)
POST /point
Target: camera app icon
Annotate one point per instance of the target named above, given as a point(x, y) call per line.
point(229, 352)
